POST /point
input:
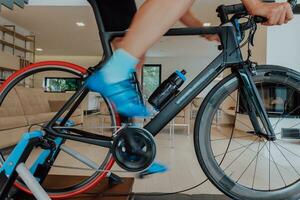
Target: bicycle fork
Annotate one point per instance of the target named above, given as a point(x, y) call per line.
point(254, 106)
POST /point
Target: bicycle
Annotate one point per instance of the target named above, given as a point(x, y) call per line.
point(251, 129)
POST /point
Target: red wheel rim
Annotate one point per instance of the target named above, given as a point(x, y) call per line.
point(110, 163)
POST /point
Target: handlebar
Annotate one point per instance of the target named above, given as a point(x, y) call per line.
point(225, 10)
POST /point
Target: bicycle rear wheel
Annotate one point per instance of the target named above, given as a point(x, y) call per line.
point(240, 163)
point(30, 98)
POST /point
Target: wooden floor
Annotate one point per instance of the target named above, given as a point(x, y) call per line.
point(104, 191)
point(184, 170)
point(184, 197)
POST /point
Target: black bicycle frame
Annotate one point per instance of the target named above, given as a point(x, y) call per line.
point(231, 56)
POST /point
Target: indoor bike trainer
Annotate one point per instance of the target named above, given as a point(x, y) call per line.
point(53, 134)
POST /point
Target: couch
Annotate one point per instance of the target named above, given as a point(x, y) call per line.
point(24, 107)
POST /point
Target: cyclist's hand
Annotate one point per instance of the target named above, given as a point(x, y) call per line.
point(276, 13)
point(213, 38)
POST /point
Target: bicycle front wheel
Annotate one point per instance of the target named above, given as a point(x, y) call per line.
point(239, 162)
point(30, 98)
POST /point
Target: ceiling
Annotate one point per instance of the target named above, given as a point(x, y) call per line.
point(55, 28)
point(56, 31)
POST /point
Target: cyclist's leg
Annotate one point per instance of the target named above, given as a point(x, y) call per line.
point(152, 20)
point(156, 167)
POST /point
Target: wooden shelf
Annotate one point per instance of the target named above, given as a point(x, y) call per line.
point(17, 35)
point(14, 46)
point(10, 30)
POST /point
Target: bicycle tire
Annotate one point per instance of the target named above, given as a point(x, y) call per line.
point(206, 138)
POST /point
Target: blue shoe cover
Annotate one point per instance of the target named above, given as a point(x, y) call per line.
point(122, 94)
point(69, 123)
point(155, 168)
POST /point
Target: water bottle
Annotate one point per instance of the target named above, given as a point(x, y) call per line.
point(167, 90)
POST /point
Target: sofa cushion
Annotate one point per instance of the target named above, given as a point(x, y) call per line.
point(11, 105)
point(40, 118)
point(11, 137)
point(45, 117)
point(12, 122)
point(34, 100)
point(56, 105)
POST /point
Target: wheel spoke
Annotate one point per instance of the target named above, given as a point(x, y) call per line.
point(232, 133)
point(287, 149)
point(287, 159)
point(237, 103)
point(269, 165)
point(276, 165)
point(239, 121)
point(281, 118)
point(255, 165)
point(247, 147)
point(251, 161)
point(244, 109)
point(233, 150)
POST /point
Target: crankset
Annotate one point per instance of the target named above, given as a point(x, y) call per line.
point(134, 149)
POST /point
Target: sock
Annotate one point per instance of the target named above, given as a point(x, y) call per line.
point(119, 67)
point(112, 82)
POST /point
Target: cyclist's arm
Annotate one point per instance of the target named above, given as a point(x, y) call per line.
point(276, 13)
point(190, 20)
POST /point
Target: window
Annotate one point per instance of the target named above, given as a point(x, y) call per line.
point(61, 84)
point(278, 100)
point(151, 79)
point(5, 73)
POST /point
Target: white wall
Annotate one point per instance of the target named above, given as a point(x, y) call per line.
point(283, 46)
point(84, 61)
